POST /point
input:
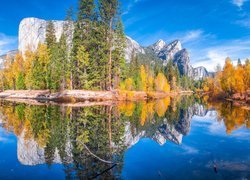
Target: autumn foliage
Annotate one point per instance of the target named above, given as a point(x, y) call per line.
point(146, 82)
point(231, 80)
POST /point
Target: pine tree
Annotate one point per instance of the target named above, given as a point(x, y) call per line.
point(63, 59)
point(108, 12)
point(134, 70)
point(50, 35)
point(54, 67)
point(83, 63)
point(119, 64)
point(82, 35)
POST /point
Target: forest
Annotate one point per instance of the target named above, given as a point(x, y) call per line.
point(231, 81)
point(95, 60)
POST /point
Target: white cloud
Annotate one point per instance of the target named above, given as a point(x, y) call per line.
point(212, 55)
point(239, 3)
point(7, 43)
point(192, 36)
point(130, 6)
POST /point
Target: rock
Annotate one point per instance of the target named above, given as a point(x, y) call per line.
point(132, 46)
point(200, 73)
point(170, 133)
point(10, 54)
point(30, 154)
point(32, 31)
point(179, 56)
point(158, 46)
point(169, 51)
point(182, 60)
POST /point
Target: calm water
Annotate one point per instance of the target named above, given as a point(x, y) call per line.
point(182, 138)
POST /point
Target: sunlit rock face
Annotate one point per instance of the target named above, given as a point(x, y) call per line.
point(29, 153)
point(158, 46)
point(32, 31)
point(182, 60)
point(199, 73)
point(168, 52)
point(174, 51)
point(131, 140)
point(169, 133)
point(10, 54)
point(132, 47)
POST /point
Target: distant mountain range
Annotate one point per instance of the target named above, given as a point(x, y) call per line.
point(169, 52)
point(32, 31)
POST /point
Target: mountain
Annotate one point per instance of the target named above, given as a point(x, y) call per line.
point(180, 57)
point(132, 46)
point(10, 54)
point(32, 31)
point(200, 72)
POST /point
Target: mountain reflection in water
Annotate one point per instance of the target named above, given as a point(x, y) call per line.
point(70, 136)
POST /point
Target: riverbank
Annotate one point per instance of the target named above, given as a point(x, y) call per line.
point(238, 99)
point(75, 96)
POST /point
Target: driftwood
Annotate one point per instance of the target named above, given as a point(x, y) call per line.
point(77, 97)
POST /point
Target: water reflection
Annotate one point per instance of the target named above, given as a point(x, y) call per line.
point(80, 138)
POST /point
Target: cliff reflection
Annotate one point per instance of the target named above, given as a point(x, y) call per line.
point(80, 137)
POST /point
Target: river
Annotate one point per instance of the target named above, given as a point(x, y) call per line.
point(172, 138)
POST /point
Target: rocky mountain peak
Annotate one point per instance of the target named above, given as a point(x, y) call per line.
point(159, 45)
point(168, 52)
point(174, 46)
point(132, 46)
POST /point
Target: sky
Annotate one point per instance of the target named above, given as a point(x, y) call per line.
point(211, 30)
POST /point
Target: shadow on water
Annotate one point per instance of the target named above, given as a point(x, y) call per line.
point(85, 139)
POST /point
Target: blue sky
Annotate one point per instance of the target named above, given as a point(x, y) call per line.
point(210, 29)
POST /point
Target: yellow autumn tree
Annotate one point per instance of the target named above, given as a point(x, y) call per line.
point(161, 83)
point(143, 75)
point(19, 71)
point(9, 74)
point(29, 60)
point(247, 75)
point(227, 79)
point(129, 84)
point(238, 80)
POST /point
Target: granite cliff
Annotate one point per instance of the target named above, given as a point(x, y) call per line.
point(32, 31)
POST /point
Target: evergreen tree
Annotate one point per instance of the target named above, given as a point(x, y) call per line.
point(54, 67)
point(50, 35)
point(108, 12)
point(134, 70)
point(119, 64)
point(63, 59)
point(83, 63)
point(82, 35)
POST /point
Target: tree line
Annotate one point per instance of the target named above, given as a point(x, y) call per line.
point(230, 80)
point(92, 57)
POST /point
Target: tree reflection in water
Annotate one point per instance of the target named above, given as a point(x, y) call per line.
point(70, 136)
